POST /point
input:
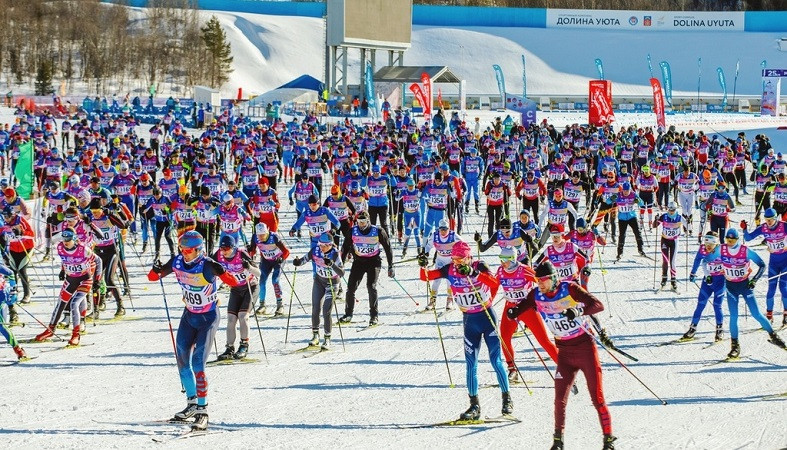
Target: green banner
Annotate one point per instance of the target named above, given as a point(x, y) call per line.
point(24, 170)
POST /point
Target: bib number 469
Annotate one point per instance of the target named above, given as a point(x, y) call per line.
point(193, 298)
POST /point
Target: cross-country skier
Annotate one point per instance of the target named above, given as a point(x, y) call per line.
point(198, 276)
point(516, 279)
point(273, 252)
point(670, 232)
point(735, 260)
point(7, 298)
point(77, 274)
point(775, 233)
point(712, 284)
point(328, 271)
point(563, 306)
point(240, 265)
point(473, 288)
point(364, 245)
point(443, 240)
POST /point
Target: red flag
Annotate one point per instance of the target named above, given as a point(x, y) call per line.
point(658, 102)
point(427, 91)
point(600, 103)
point(419, 95)
point(439, 98)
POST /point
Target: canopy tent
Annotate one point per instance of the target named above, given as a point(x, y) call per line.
point(304, 82)
point(285, 95)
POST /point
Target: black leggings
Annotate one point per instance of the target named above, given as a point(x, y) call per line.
point(163, 228)
point(20, 262)
point(109, 259)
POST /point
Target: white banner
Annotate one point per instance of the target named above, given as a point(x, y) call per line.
point(645, 20)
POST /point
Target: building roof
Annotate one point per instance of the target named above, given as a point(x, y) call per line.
point(412, 74)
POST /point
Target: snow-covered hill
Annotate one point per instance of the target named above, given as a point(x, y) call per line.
point(271, 50)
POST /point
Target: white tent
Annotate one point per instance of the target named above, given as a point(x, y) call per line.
point(284, 95)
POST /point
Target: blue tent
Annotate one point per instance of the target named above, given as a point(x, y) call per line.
point(305, 82)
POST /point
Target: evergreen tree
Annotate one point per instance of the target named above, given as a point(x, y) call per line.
point(219, 64)
point(43, 85)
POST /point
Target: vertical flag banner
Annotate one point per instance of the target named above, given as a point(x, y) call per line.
point(650, 66)
point(524, 78)
point(762, 66)
point(600, 103)
point(770, 97)
point(600, 68)
point(699, 82)
point(419, 95)
point(501, 82)
point(370, 98)
point(658, 102)
point(439, 98)
point(426, 82)
point(666, 78)
point(24, 170)
point(735, 81)
point(723, 84)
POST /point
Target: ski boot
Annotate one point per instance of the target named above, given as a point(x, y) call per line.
point(326, 343)
point(777, 341)
point(674, 285)
point(449, 304)
point(340, 291)
point(25, 300)
point(120, 312)
point(243, 349)
point(74, 341)
point(229, 353)
point(609, 442)
point(315, 339)
point(769, 316)
point(20, 353)
point(200, 418)
point(663, 283)
point(476, 209)
point(513, 376)
point(642, 253)
point(65, 322)
point(508, 404)
point(474, 411)
point(557, 441)
point(144, 246)
point(46, 257)
point(187, 412)
point(13, 316)
point(346, 318)
point(279, 309)
point(689, 335)
point(102, 303)
point(46, 334)
point(260, 310)
point(431, 302)
point(404, 252)
point(784, 319)
point(719, 333)
point(374, 321)
point(735, 350)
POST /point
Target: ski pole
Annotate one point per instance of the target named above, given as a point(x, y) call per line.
point(497, 332)
point(406, 260)
point(604, 280)
point(584, 327)
point(257, 319)
point(439, 332)
point(169, 321)
point(292, 287)
point(39, 322)
point(336, 308)
point(405, 291)
point(289, 312)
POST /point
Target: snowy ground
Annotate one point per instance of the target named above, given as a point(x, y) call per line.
point(394, 375)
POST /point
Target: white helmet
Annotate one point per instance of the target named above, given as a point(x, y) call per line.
point(261, 228)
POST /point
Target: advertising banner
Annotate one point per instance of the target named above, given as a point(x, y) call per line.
point(426, 81)
point(646, 20)
point(600, 102)
point(526, 107)
point(658, 102)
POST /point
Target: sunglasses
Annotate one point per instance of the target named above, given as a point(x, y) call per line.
point(507, 258)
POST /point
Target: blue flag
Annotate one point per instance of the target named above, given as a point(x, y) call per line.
point(600, 68)
point(501, 83)
point(666, 78)
point(524, 78)
point(650, 66)
point(723, 84)
point(370, 90)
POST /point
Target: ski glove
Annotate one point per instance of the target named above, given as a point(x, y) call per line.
point(465, 270)
point(297, 262)
point(513, 312)
point(423, 261)
point(709, 279)
point(477, 236)
point(692, 278)
point(156, 267)
point(328, 262)
point(279, 260)
point(391, 273)
point(292, 233)
point(572, 313)
point(586, 271)
point(752, 283)
point(743, 224)
point(291, 202)
point(62, 275)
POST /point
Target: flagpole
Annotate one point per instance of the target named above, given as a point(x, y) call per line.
point(735, 82)
point(699, 80)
